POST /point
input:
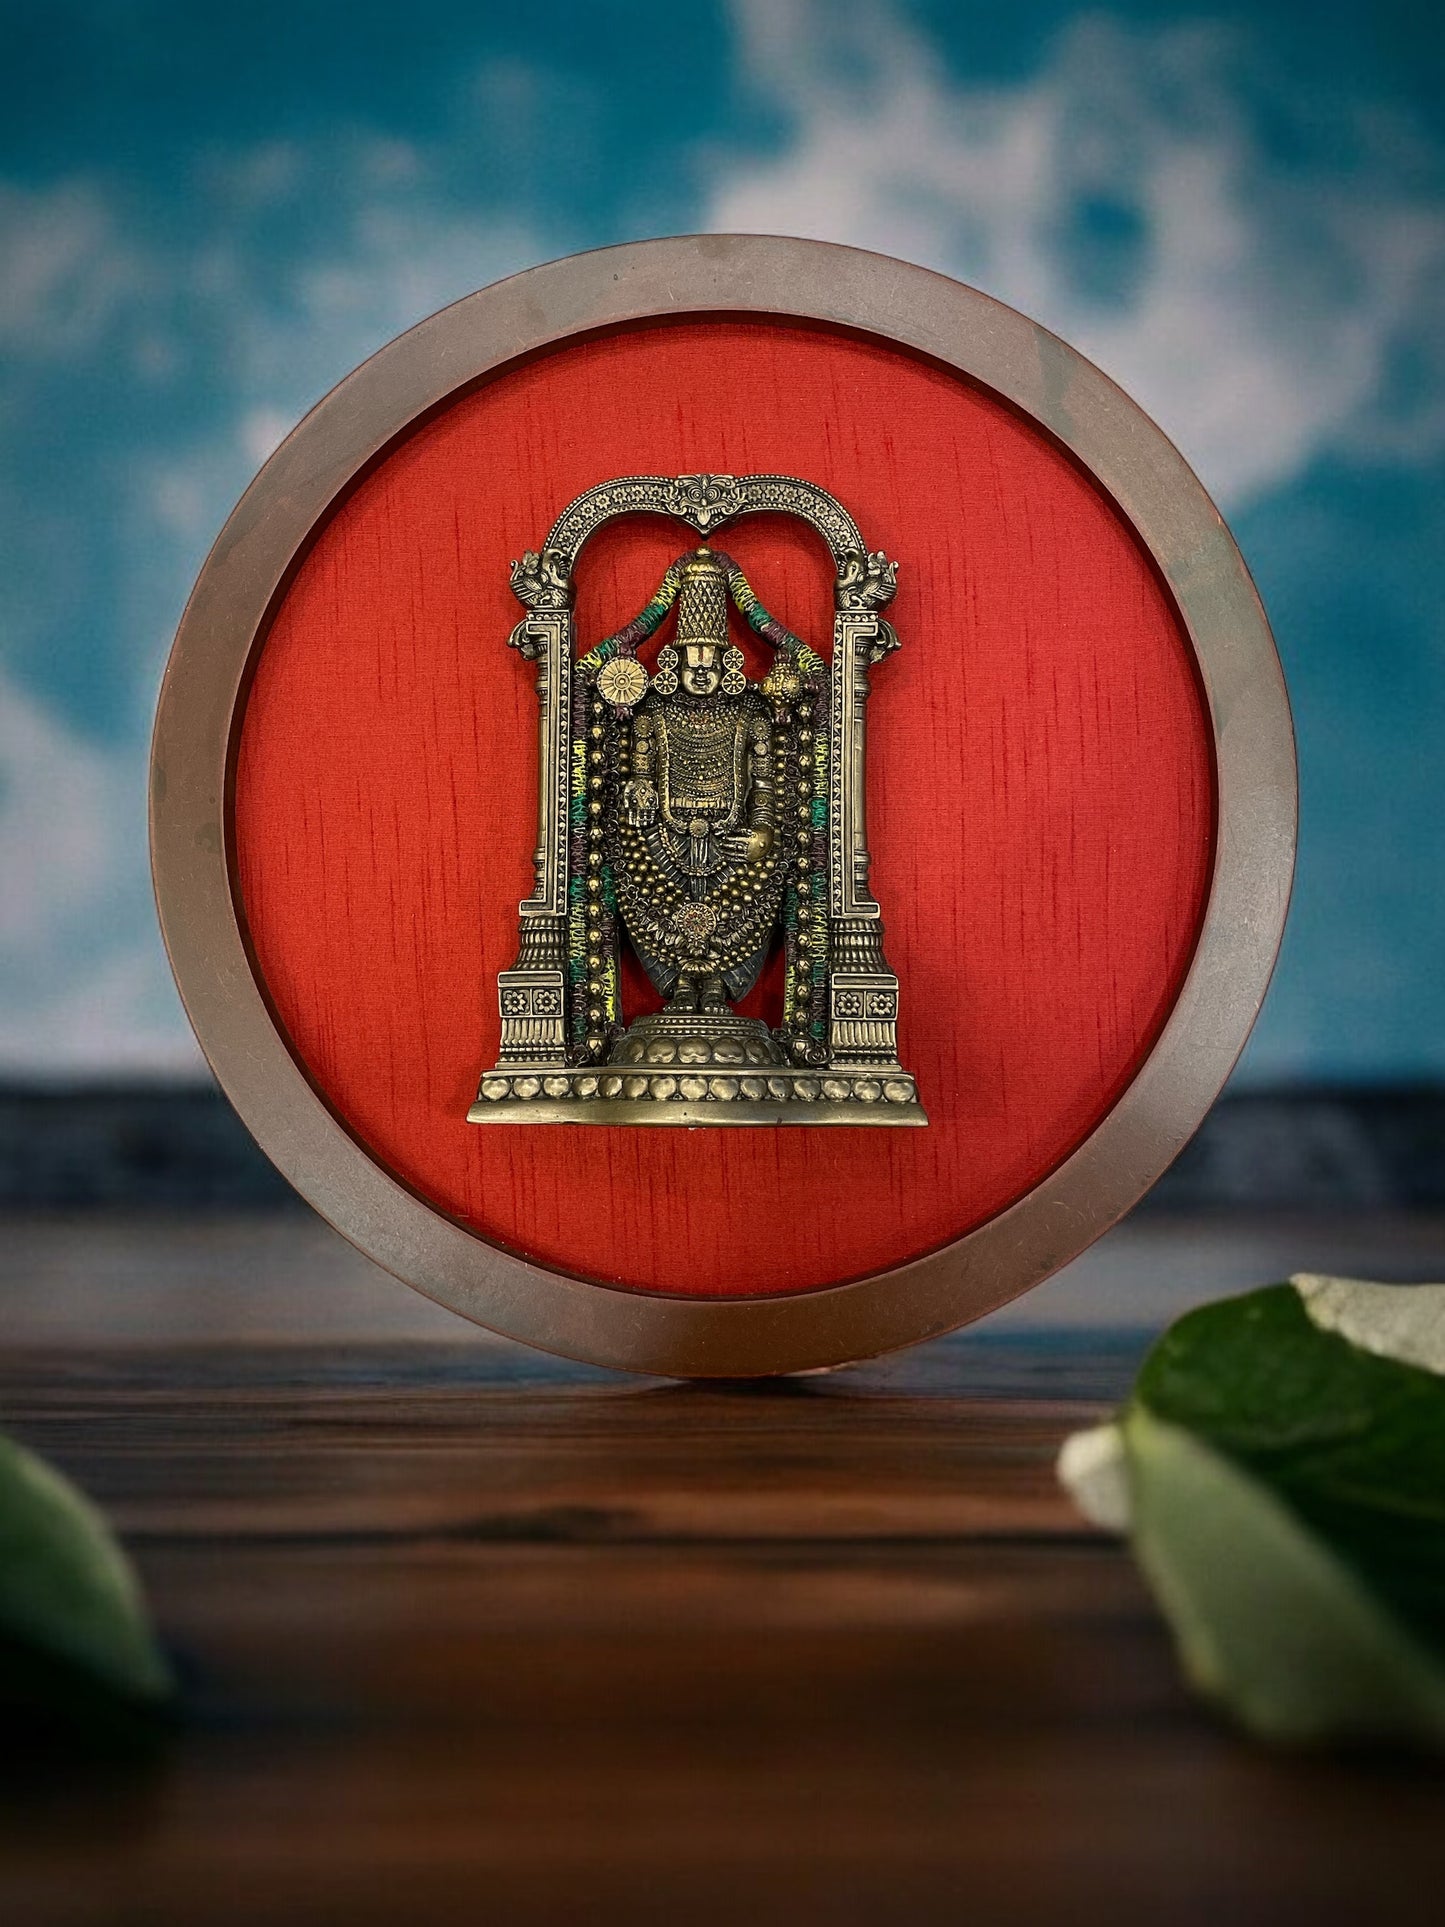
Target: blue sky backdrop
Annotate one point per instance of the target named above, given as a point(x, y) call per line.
point(207, 216)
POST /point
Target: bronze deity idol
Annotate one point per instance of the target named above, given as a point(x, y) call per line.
point(691, 843)
point(703, 819)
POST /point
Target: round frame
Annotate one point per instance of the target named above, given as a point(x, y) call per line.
point(251, 566)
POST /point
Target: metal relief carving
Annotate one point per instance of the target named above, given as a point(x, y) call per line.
point(702, 820)
point(704, 500)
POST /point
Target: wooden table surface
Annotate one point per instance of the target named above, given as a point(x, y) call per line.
point(469, 1633)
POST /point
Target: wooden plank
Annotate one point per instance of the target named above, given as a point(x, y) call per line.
point(465, 1640)
point(468, 1632)
point(570, 1456)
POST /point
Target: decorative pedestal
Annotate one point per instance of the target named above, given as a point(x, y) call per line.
point(679, 1068)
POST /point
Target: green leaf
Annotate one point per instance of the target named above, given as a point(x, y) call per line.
point(1281, 1470)
point(1268, 1622)
point(1351, 1445)
point(67, 1590)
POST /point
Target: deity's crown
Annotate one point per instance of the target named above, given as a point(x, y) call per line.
point(702, 602)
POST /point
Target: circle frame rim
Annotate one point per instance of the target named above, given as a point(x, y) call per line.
point(264, 541)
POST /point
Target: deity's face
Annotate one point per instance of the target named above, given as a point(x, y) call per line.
point(700, 674)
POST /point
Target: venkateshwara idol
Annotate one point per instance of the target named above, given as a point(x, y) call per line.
point(690, 834)
point(704, 820)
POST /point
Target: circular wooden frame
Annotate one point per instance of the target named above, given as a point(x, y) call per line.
point(251, 565)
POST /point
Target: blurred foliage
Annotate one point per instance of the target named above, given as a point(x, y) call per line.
point(1283, 1487)
point(79, 1660)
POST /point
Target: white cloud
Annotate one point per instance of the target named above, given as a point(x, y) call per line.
point(392, 272)
point(263, 430)
point(1259, 314)
point(83, 983)
point(86, 283)
point(91, 292)
point(57, 806)
point(67, 268)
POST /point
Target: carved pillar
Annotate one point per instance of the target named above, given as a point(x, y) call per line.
point(853, 637)
point(863, 991)
point(532, 996)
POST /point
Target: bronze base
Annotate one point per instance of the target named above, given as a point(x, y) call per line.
point(692, 1068)
point(707, 1095)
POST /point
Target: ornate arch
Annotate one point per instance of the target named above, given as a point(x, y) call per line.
point(704, 503)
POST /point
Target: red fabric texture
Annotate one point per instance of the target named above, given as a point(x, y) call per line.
point(1041, 797)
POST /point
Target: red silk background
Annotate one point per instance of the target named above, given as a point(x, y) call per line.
point(1041, 796)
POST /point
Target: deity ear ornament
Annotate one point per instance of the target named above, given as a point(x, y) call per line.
point(994, 860)
point(734, 682)
point(664, 677)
